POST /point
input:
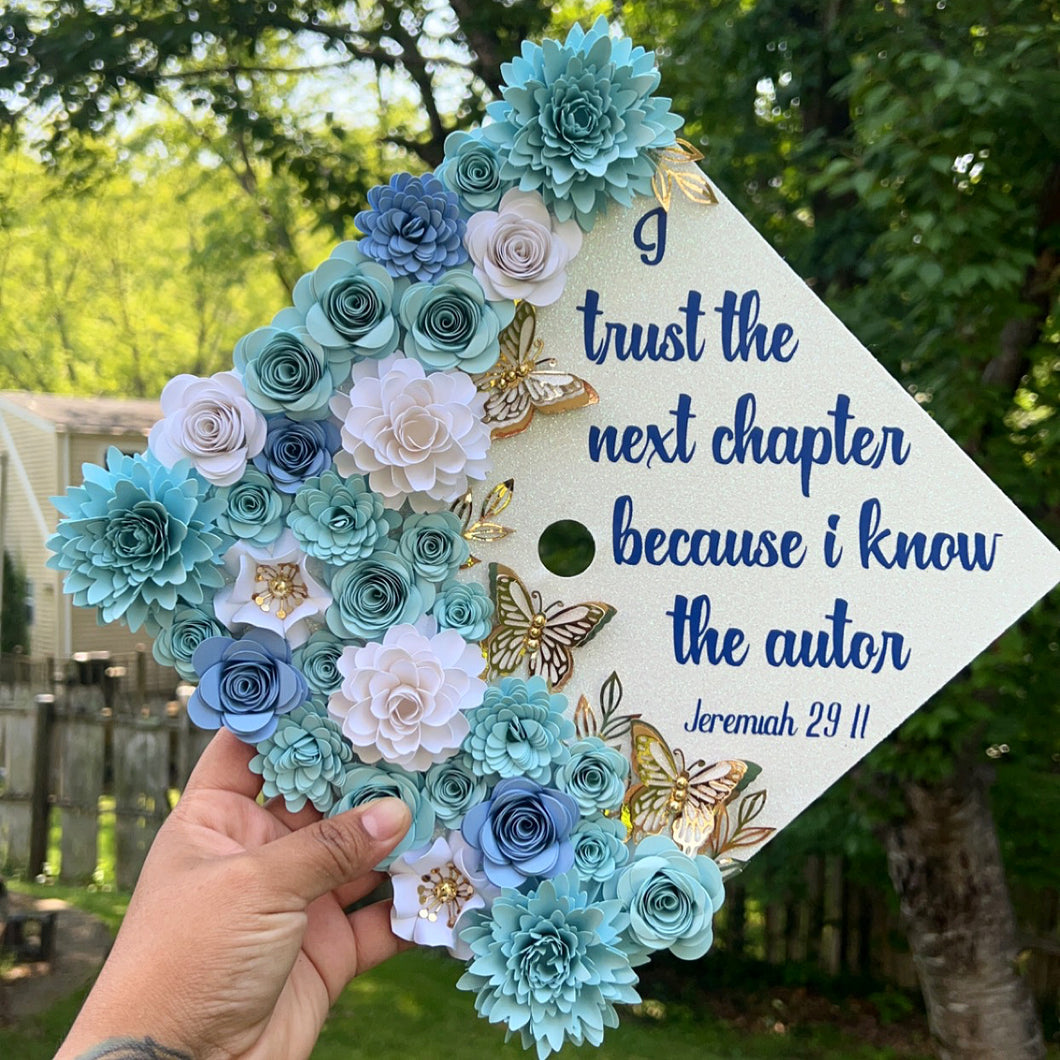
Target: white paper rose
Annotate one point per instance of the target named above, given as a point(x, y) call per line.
point(521, 250)
point(433, 889)
point(403, 700)
point(417, 437)
point(211, 423)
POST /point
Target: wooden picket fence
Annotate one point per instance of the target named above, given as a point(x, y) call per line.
point(114, 733)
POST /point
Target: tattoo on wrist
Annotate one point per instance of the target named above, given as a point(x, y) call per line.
point(133, 1049)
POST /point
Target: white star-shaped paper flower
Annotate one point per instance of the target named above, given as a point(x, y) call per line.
point(272, 590)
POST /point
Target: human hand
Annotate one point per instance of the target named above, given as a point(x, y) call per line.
point(236, 942)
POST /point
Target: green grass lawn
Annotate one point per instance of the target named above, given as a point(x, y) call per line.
point(398, 1008)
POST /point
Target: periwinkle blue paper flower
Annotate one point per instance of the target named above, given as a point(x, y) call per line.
point(413, 227)
point(600, 849)
point(520, 730)
point(363, 784)
point(176, 642)
point(465, 607)
point(348, 304)
point(371, 595)
point(317, 659)
point(450, 324)
point(453, 788)
point(138, 539)
point(286, 371)
point(548, 965)
point(253, 510)
point(594, 776)
point(296, 451)
point(245, 684)
point(523, 831)
point(578, 119)
point(304, 760)
point(671, 900)
point(472, 170)
point(338, 519)
point(434, 544)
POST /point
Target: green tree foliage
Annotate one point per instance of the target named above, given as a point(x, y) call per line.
point(14, 627)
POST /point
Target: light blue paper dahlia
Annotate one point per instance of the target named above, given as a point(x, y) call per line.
point(548, 965)
point(520, 730)
point(138, 539)
point(578, 119)
point(472, 170)
point(184, 630)
point(304, 760)
point(465, 607)
point(253, 511)
point(338, 519)
point(317, 658)
point(348, 304)
point(413, 227)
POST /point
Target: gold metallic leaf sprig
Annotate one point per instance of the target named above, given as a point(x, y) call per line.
point(674, 167)
point(484, 528)
point(608, 724)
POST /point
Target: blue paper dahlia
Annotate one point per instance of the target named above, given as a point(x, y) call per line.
point(548, 965)
point(577, 121)
point(137, 539)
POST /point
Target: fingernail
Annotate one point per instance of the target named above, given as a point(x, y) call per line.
point(385, 819)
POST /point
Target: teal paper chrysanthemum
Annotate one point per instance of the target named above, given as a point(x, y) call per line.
point(578, 119)
point(138, 539)
point(547, 964)
point(339, 520)
point(304, 760)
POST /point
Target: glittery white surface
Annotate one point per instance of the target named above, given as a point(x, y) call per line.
point(947, 617)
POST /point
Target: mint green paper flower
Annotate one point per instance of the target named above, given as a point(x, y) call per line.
point(184, 631)
point(548, 965)
point(317, 658)
point(450, 324)
point(594, 776)
point(253, 509)
point(434, 544)
point(465, 607)
point(286, 371)
point(371, 595)
point(339, 520)
point(472, 170)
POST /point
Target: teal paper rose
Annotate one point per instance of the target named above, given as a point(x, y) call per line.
point(450, 324)
point(339, 520)
point(671, 900)
point(594, 776)
point(466, 608)
point(176, 642)
point(453, 788)
point(286, 371)
point(472, 169)
point(371, 595)
point(363, 784)
point(434, 544)
point(253, 509)
point(317, 658)
point(304, 760)
point(348, 305)
point(600, 848)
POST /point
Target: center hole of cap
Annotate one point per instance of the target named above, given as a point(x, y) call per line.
point(566, 547)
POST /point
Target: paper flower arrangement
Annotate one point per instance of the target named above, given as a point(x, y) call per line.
point(290, 541)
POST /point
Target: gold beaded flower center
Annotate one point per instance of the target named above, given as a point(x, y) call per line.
point(283, 586)
point(447, 890)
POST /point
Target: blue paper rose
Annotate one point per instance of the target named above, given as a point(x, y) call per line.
point(304, 760)
point(245, 684)
point(600, 849)
point(138, 539)
point(364, 784)
point(434, 544)
point(671, 900)
point(317, 658)
point(577, 122)
point(338, 519)
point(548, 965)
point(348, 304)
point(520, 730)
point(371, 595)
point(450, 324)
point(453, 789)
point(594, 776)
point(296, 451)
point(413, 227)
point(472, 169)
point(253, 510)
point(176, 642)
point(523, 832)
point(286, 372)
point(465, 607)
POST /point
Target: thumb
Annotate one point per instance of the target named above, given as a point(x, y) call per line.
point(326, 854)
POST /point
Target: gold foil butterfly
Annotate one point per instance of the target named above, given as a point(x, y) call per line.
point(523, 382)
point(543, 637)
point(670, 796)
point(484, 528)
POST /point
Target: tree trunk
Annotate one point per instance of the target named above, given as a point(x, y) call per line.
point(945, 864)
